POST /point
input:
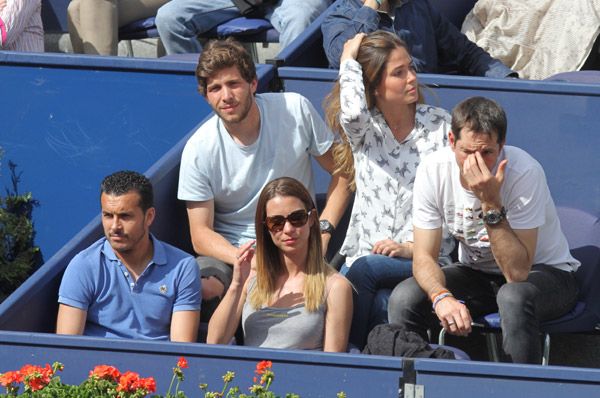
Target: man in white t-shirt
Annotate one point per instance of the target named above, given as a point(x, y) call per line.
point(513, 257)
point(251, 140)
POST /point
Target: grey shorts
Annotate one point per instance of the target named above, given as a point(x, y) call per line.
point(210, 266)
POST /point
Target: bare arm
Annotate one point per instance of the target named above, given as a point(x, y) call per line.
point(205, 240)
point(453, 315)
point(339, 315)
point(226, 318)
point(70, 320)
point(184, 326)
point(514, 250)
point(338, 195)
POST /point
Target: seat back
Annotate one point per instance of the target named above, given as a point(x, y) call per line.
point(582, 231)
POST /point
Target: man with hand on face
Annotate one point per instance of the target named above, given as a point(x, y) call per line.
point(129, 284)
point(252, 139)
point(435, 44)
point(513, 257)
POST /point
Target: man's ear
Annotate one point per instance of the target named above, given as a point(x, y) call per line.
point(150, 214)
point(254, 85)
point(451, 139)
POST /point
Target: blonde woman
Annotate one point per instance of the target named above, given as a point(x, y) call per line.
point(293, 300)
point(376, 107)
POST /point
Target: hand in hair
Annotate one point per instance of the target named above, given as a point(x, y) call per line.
point(351, 47)
point(243, 262)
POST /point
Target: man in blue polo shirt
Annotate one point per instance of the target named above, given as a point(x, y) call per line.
point(129, 284)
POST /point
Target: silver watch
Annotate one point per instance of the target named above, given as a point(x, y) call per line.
point(494, 217)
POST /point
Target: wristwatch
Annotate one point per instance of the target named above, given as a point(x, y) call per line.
point(494, 217)
point(326, 227)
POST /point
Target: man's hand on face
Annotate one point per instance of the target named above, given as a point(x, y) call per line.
point(482, 182)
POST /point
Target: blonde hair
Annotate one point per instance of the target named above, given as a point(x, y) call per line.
point(269, 263)
point(373, 54)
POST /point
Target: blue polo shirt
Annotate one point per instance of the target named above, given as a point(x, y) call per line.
point(97, 282)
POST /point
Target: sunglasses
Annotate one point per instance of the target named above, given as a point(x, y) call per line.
point(297, 218)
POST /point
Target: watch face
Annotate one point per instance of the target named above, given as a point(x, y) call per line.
point(325, 226)
point(494, 217)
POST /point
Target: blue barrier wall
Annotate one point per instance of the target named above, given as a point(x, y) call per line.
point(310, 374)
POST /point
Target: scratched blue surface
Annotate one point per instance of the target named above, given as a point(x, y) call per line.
point(67, 126)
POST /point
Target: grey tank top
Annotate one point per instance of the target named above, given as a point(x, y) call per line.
point(292, 328)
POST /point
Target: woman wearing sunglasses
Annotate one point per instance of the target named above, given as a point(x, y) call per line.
point(376, 107)
point(293, 299)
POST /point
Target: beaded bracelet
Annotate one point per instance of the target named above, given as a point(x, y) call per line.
point(433, 296)
point(440, 297)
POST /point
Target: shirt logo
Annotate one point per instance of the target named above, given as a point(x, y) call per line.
point(163, 289)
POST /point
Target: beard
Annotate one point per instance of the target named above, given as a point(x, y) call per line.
point(243, 108)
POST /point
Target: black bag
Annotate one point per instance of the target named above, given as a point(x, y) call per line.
point(394, 340)
point(252, 8)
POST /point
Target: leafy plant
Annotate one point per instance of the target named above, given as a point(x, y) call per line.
point(18, 255)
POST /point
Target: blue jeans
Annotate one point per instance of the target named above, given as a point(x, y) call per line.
point(179, 22)
point(373, 277)
point(548, 293)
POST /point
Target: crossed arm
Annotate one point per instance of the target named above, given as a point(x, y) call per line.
point(184, 324)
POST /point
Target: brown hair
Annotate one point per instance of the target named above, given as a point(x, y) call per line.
point(373, 54)
point(481, 115)
point(269, 264)
point(221, 54)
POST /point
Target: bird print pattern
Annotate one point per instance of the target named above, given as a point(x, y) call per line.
point(385, 168)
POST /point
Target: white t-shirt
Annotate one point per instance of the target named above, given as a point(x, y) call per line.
point(213, 166)
point(440, 199)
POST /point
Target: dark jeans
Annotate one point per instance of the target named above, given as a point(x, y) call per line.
point(369, 275)
point(548, 293)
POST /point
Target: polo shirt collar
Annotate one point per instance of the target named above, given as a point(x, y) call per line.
point(159, 257)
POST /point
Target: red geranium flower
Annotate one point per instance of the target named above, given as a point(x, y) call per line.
point(127, 381)
point(182, 363)
point(11, 377)
point(262, 367)
point(105, 372)
point(36, 377)
point(148, 384)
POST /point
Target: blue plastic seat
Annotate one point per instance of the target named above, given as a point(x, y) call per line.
point(244, 29)
point(583, 235)
point(140, 29)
